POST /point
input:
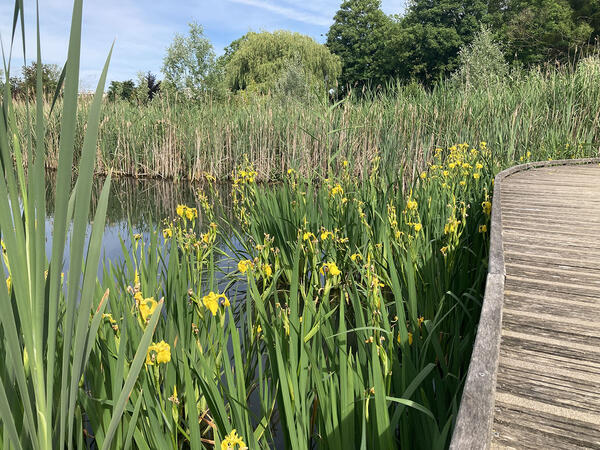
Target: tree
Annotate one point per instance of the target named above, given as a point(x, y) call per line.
point(260, 60)
point(587, 11)
point(122, 90)
point(152, 84)
point(26, 86)
point(147, 87)
point(542, 30)
point(481, 63)
point(127, 88)
point(424, 44)
point(189, 61)
point(114, 90)
point(357, 37)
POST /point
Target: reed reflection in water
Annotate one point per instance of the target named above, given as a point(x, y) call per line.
point(145, 204)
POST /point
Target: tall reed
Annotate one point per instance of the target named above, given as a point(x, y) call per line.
point(536, 112)
point(50, 320)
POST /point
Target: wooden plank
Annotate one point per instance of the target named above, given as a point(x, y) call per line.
point(542, 218)
point(551, 292)
point(568, 234)
point(572, 310)
point(551, 261)
point(554, 390)
point(584, 369)
point(526, 238)
point(551, 331)
point(548, 285)
point(579, 255)
point(578, 276)
point(528, 428)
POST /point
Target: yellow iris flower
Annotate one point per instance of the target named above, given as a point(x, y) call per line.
point(487, 207)
point(331, 269)
point(147, 307)
point(336, 190)
point(308, 235)
point(326, 234)
point(159, 353)
point(244, 265)
point(232, 440)
point(268, 270)
point(211, 301)
point(191, 213)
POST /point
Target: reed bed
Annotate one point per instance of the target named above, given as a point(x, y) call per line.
point(536, 112)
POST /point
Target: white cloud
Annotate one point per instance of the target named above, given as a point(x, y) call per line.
point(311, 18)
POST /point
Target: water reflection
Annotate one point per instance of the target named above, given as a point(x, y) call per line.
point(145, 204)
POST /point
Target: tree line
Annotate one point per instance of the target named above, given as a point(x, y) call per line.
point(424, 43)
point(25, 85)
point(364, 47)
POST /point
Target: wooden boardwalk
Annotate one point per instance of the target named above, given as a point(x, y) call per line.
point(547, 391)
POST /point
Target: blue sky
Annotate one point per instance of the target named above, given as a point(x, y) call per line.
point(142, 30)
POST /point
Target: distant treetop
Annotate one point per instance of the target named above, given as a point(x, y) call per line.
point(258, 61)
point(358, 37)
point(188, 63)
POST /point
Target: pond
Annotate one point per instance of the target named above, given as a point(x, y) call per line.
point(145, 204)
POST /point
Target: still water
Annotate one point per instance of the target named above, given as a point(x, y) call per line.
point(143, 204)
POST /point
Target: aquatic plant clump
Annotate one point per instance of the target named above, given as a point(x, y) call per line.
point(341, 312)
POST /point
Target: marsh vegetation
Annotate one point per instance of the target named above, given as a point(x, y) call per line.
point(328, 298)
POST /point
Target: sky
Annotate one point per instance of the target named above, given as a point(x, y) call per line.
point(142, 30)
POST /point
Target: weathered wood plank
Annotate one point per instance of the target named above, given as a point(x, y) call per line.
point(542, 218)
point(556, 329)
point(551, 293)
point(544, 387)
point(558, 307)
point(582, 255)
point(553, 286)
point(552, 361)
point(525, 428)
point(571, 234)
point(550, 260)
point(555, 273)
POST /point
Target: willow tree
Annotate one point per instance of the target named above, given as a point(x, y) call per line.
point(262, 62)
